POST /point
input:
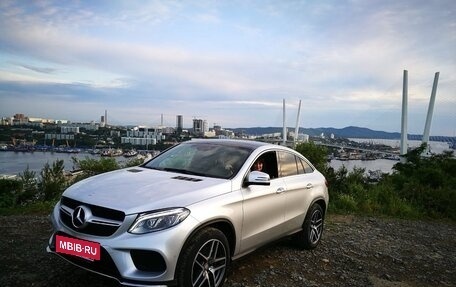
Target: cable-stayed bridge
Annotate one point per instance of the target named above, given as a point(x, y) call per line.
point(347, 147)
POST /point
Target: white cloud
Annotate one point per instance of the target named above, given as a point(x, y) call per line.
point(336, 57)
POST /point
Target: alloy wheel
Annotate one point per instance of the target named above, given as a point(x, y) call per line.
point(209, 265)
point(316, 226)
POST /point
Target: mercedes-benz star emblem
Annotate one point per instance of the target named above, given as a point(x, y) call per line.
point(80, 216)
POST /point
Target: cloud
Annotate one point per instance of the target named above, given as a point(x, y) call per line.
point(43, 70)
point(229, 59)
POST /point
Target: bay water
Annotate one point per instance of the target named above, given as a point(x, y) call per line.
point(13, 163)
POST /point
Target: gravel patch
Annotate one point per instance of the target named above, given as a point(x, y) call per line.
point(355, 251)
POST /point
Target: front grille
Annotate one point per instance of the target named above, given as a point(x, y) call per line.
point(103, 222)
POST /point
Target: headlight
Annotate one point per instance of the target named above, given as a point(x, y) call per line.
point(151, 222)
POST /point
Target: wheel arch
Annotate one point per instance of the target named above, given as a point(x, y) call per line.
point(224, 226)
point(215, 229)
point(320, 201)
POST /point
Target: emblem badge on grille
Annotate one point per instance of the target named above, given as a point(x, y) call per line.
point(80, 216)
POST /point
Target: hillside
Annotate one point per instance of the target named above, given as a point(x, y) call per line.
point(347, 132)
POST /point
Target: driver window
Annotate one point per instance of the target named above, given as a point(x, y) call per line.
point(267, 163)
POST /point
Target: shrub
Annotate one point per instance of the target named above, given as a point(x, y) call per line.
point(428, 183)
point(29, 187)
point(343, 203)
point(92, 167)
point(9, 188)
point(133, 162)
point(52, 182)
point(389, 201)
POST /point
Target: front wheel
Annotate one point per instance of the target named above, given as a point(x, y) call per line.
point(205, 260)
point(312, 229)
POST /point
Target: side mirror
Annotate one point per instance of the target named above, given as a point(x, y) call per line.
point(258, 178)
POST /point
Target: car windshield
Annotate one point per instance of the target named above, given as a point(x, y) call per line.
point(203, 159)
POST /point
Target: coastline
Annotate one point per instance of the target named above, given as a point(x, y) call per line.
point(13, 163)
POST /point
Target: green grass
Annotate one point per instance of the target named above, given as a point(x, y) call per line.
point(36, 208)
point(379, 200)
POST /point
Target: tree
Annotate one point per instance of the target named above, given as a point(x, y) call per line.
point(317, 155)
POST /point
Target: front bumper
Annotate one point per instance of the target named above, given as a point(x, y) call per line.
point(129, 258)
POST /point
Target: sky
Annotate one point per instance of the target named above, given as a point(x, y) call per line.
point(230, 62)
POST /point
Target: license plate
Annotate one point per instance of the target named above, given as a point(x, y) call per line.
point(82, 248)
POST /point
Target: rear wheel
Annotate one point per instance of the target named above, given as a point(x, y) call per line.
point(205, 260)
point(312, 229)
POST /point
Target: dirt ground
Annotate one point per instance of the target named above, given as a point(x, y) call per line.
point(355, 251)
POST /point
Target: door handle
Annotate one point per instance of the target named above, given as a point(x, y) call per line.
point(309, 186)
point(280, 190)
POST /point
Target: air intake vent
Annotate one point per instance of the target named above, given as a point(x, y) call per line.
point(187, 178)
point(134, 170)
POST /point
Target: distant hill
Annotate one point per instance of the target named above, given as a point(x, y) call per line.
point(347, 132)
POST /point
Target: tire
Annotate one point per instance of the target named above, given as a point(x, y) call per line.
point(312, 229)
point(204, 260)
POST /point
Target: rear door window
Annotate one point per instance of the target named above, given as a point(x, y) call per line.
point(288, 164)
point(303, 166)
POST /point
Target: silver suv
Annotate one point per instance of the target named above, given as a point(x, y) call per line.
point(180, 218)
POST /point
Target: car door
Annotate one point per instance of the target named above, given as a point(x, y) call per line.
point(264, 208)
point(299, 181)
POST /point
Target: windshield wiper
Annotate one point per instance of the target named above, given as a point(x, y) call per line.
point(152, 167)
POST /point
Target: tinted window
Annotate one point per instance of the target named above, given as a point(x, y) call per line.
point(303, 166)
point(288, 164)
point(306, 166)
point(204, 159)
point(301, 169)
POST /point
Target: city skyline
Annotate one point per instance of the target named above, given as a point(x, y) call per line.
point(348, 131)
point(230, 62)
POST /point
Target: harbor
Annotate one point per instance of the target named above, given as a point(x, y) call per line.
point(15, 160)
point(13, 163)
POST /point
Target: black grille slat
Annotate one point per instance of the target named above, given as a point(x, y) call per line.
point(96, 210)
point(107, 213)
point(187, 178)
point(69, 202)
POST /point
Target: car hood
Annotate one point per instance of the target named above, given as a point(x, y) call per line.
point(135, 190)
